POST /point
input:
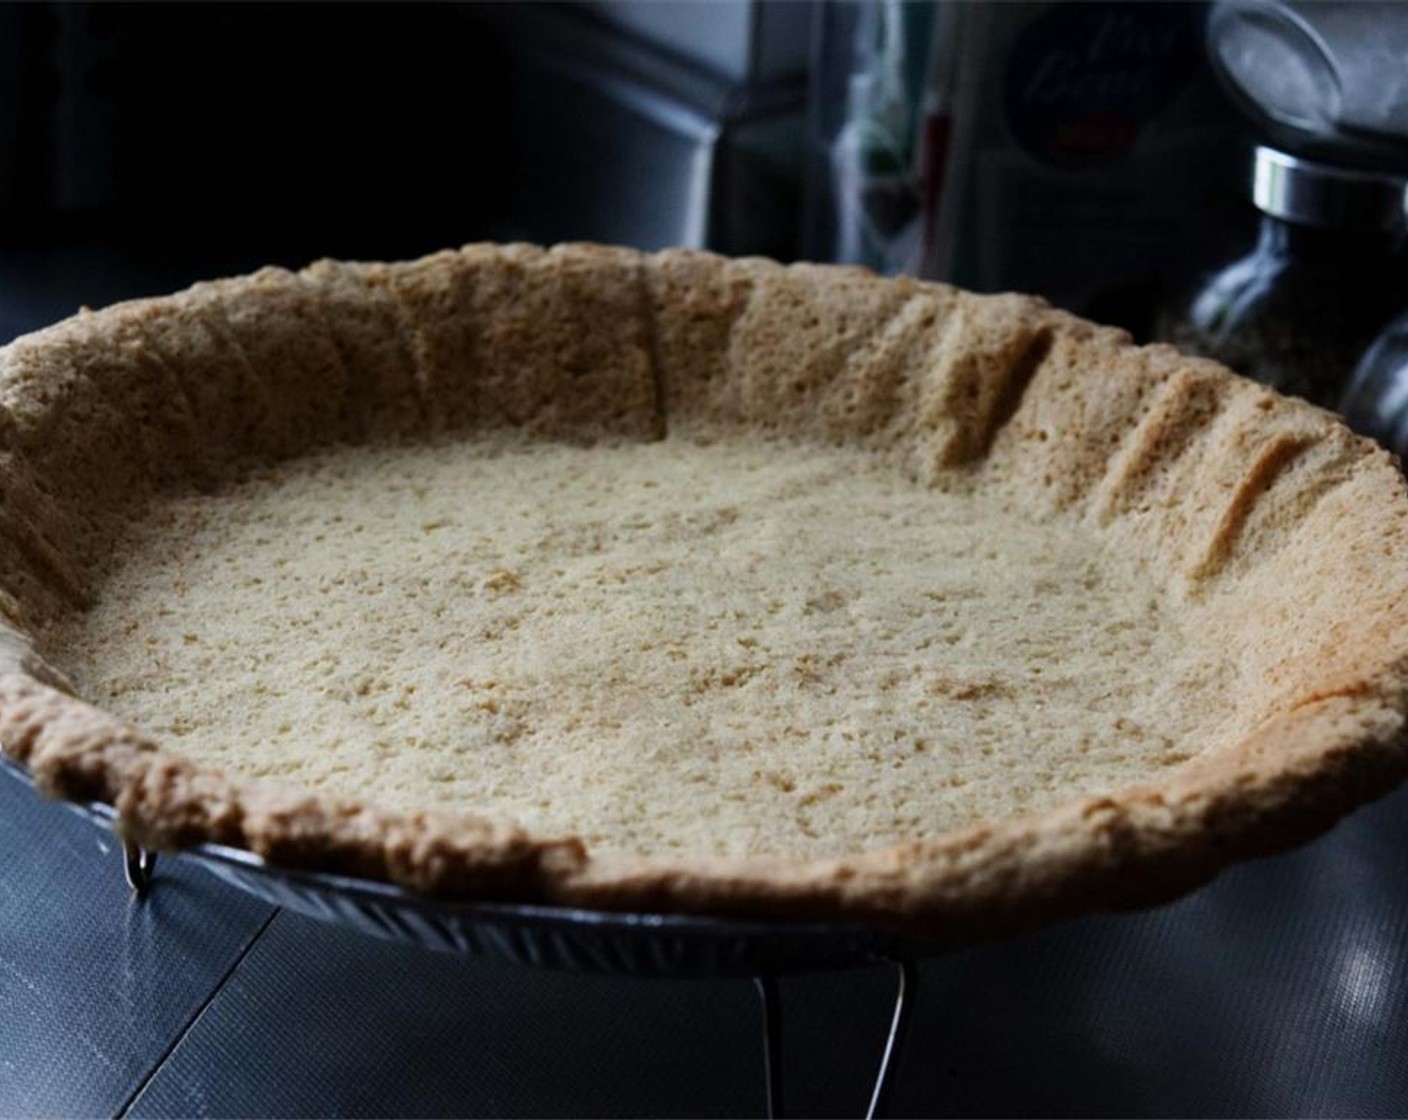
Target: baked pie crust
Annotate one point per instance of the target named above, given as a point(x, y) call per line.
point(1268, 539)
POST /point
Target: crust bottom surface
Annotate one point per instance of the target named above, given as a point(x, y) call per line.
point(663, 649)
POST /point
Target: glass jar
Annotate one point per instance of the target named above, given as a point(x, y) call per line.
point(1328, 270)
point(1377, 401)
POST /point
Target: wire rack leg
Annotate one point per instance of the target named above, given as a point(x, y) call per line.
point(138, 864)
point(772, 1043)
point(906, 976)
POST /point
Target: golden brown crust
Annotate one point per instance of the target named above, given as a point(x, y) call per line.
point(1265, 507)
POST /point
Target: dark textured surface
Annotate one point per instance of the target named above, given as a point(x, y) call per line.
point(361, 1027)
point(1282, 989)
point(95, 985)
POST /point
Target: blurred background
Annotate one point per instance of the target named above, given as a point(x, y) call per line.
point(1092, 153)
point(1076, 150)
point(1228, 176)
point(1098, 154)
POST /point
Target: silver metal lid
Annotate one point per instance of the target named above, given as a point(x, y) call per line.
point(1317, 194)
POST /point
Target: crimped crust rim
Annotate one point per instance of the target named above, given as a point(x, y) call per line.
point(1339, 744)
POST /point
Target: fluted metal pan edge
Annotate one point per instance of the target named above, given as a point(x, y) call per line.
point(539, 936)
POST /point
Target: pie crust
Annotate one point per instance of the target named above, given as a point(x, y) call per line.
point(1281, 528)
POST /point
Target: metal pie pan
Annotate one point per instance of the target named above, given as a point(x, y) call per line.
point(539, 936)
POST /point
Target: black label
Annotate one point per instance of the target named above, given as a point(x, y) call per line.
point(1083, 79)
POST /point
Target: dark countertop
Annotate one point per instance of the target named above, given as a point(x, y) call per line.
point(1281, 988)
